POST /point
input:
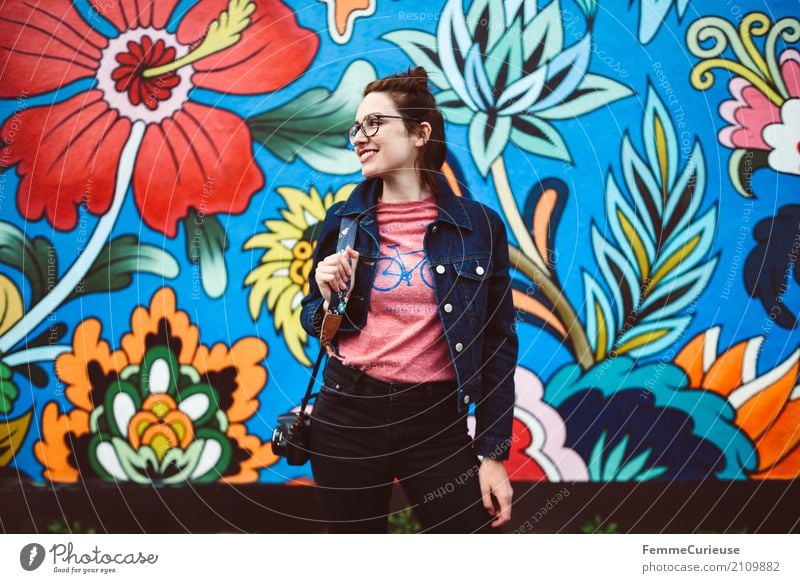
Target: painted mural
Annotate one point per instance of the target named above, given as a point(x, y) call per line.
point(166, 167)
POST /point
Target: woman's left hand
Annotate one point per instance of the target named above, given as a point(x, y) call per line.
point(494, 480)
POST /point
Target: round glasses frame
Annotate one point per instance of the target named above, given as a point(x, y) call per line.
point(374, 127)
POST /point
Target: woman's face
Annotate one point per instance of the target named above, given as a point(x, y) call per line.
point(392, 148)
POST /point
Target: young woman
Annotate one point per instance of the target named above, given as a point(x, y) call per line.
point(428, 330)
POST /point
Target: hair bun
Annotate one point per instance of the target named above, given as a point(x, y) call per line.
point(420, 75)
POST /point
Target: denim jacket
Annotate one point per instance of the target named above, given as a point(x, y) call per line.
point(467, 248)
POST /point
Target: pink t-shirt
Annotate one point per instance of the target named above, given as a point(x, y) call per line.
point(403, 339)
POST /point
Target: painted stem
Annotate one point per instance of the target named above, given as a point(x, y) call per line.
point(509, 205)
point(576, 335)
point(37, 354)
point(78, 270)
point(529, 261)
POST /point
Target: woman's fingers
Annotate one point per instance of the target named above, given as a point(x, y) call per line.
point(504, 499)
point(331, 277)
point(344, 265)
point(334, 271)
point(486, 495)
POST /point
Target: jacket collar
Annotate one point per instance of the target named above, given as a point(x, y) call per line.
point(365, 196)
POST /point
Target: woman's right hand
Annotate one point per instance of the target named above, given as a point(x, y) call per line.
point(333, 273)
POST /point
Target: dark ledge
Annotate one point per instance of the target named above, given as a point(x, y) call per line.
point(768, 506)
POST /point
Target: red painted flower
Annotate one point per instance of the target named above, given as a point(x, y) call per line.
point(191, 155)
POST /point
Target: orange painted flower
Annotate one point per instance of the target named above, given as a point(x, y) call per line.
point(162, 409)
point(767, 405)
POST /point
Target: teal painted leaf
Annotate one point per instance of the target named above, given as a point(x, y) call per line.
point(632, 238)
point(614, 460)
point(588, 7)
point(657, 128)
point(652, 14)
point(677, 293)
point(593, 92)
point(691, 243)
point(654, 335)
point(488, 139)
point(600, 321)
point(643, 186)
point(452, 108)
point(421, 50)
point(652, 284)
point(488, 20)
point(536, 136)
point(621, 276)
point(504, 60)
point(630, 470)
point(544, 34)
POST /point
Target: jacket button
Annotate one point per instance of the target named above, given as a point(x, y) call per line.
point(440, 269)
point(479, 270)
point(435, 228)
point(459, 346)
point(448, 308)
point(466, 399)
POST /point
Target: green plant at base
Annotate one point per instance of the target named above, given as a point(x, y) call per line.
point(62, 527)
point(598, 526)
point(404, 522)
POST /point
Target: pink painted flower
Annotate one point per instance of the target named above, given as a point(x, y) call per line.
point(191, 155)
point(750, 111)
point(538, 449)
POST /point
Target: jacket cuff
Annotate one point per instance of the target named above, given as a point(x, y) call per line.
point(492, 448)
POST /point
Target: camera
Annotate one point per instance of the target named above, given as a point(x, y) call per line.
point(291, 437)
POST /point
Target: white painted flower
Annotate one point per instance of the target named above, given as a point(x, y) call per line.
point(784, 139)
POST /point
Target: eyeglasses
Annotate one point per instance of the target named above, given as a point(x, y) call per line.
point(371, 124)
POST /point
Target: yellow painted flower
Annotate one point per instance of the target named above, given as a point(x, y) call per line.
point(281, 279)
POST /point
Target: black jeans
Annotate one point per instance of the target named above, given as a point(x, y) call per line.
point(365, 432)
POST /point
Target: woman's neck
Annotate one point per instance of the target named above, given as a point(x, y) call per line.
point(404, 187)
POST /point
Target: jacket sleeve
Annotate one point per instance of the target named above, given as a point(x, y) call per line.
point(311, 313)
point(494, 411)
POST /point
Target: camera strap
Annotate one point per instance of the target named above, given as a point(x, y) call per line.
point(338, 302)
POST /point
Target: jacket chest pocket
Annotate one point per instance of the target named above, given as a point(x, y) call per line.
point(472, 280)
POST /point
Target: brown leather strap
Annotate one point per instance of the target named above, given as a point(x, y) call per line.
point(330, 325)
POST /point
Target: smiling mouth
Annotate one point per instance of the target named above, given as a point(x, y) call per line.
point(366, 155)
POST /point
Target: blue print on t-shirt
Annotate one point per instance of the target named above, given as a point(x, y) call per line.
point(391, 271)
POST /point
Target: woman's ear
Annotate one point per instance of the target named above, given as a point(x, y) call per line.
point(426, 130)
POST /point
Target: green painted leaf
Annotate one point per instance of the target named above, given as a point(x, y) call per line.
point(36, 258)
point(742, 165)
point(205, 245)
point(119, 260)
point(313, 125)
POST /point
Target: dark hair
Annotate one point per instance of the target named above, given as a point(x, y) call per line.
point(410, 94)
